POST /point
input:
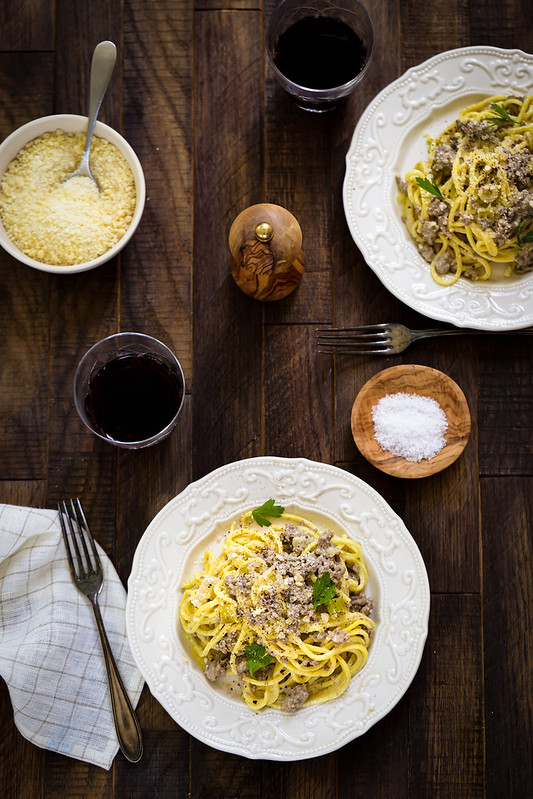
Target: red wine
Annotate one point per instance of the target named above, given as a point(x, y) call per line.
point(133, 397)
point(320, 53)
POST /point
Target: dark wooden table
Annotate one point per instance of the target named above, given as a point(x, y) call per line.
point(215, 134)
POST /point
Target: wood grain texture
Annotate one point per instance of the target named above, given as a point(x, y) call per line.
point(293, 370)
point(24, 296)
point(193, 94)
point(508, 634)
point(27, 25)
point(505, 407)
point(446, 704)
point(315, 777)
point(99, 20)
point(162, 773)
point(66, 777)
point(267, 260)
point(386, 777)
point(502, 24)
point(156, 272)
point(220, 774)
point(445, 26)
point(227, 334)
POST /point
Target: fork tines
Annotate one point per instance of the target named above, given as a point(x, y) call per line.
point(364, 340)
point(83, 560)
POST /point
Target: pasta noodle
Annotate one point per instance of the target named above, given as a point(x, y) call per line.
point(470, 204)
point(258, 594)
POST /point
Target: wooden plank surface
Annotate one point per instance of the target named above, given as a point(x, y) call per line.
point(193, 94)
point(507, 634)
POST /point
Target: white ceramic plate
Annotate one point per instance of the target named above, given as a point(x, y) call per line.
point(389, 140)
point(173, 546)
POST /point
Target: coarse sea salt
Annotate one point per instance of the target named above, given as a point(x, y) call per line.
point(409, 425)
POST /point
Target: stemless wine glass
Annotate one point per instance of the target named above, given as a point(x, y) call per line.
point(319, 49)
point(129, 390)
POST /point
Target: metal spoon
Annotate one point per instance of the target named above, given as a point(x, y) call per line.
point(103, 63)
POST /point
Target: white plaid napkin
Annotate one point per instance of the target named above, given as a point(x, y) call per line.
point(50, 652)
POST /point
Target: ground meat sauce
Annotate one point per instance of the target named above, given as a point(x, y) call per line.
point(443, 160)
point(500, 220)
point(295, 696)
point(289, 601)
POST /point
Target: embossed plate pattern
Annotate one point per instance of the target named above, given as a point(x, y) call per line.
point(173, 546)
point(388, 140)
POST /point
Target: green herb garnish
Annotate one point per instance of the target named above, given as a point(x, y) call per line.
point(503, 117)
point(431, 187)
point(256, 657)
point(268, 508)
point(323, 590)
point(527, 238)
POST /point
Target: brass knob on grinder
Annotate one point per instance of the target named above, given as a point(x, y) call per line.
point(267, 261)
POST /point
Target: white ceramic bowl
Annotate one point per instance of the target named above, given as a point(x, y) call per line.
point(71, 123)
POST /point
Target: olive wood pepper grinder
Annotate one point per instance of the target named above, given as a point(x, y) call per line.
point(267, 261)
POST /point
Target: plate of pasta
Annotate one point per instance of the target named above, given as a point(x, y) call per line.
point(438, 191)
point(277, 608)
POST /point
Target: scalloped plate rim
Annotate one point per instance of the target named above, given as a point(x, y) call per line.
point(477, 306)
point(306, 720)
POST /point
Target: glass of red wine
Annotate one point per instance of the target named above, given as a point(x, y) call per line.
point(129, 390)
point(319, 50)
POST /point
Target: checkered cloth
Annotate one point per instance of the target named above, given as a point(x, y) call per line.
point(50, 652)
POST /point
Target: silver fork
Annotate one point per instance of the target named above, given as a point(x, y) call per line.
point(87, 576)
point(387, 338)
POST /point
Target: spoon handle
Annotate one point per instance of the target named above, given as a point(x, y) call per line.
point(103, 63)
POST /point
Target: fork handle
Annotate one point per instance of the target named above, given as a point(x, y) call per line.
point(461, 331)
point(126, 725)
point(102, 66)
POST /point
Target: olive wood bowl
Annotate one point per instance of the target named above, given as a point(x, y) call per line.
point(411, 379)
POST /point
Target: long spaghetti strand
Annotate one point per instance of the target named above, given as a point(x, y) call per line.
point(484, 199)
point(257, 590)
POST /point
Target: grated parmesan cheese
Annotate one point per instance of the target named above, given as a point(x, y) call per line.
point(409, 425)
point(69, 223)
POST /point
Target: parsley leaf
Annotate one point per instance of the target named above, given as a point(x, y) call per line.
point(256, 657)
point(431, 187)
point(268, 508)
point(503, 117)
point(323, 590)
point(527, 238)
